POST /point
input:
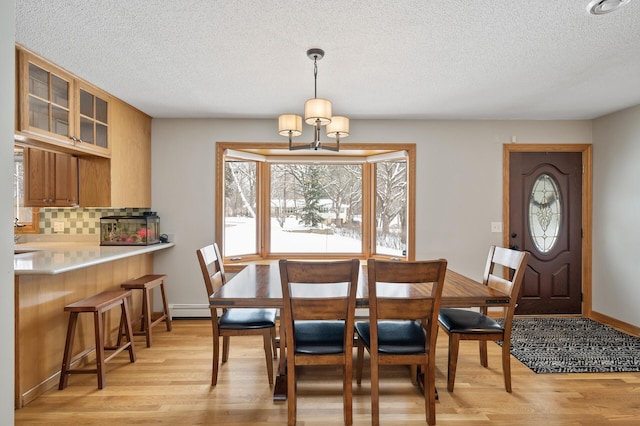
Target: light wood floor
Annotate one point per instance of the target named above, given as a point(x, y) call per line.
point(170, 385)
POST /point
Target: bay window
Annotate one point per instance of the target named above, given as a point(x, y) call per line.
point(273, 203)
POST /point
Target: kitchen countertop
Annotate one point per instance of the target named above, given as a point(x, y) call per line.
point(49, 258)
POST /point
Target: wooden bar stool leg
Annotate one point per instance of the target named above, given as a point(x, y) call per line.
point(99, 336)
point(147, 314)
point(165, 305)
point(68, 349)
point(143, 313)
point(126, 320)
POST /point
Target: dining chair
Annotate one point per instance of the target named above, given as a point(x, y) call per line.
point(404, 299)
point(463, 324)
point(234, 321)
point(319, 310)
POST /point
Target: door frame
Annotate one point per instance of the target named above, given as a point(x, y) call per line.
point(587, 196)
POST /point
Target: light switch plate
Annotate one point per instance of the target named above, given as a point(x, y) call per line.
point(58, 226)
point(496, 226)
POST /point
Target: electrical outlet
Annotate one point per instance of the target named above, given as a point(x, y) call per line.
point(58, 226)
point(496, 226)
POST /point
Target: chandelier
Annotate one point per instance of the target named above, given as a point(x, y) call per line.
point(317, 113)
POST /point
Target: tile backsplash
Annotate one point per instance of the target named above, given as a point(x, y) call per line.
point(81, 221)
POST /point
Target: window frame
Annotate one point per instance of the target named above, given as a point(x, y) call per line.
point(26, 227)
point(260, 150)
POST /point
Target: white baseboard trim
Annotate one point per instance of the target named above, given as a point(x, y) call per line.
point(189, 311)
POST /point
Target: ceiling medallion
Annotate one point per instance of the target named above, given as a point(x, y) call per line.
point(601, 7)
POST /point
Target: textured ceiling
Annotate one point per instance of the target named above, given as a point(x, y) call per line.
point(452, 59)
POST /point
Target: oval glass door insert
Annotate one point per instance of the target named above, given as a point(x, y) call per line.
point(544, 213)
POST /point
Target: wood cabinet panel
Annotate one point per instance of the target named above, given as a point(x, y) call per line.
point(130, 157)
point(51, 179)
point(124, 180)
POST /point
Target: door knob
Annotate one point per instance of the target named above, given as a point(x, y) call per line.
point(514, 247)
point(513, 235)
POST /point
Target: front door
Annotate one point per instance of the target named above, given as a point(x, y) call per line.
point(545, 219)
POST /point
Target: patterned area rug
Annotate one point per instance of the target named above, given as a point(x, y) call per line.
point(573, 345)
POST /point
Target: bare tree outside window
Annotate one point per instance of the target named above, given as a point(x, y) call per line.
point(391, 207)
point(240, 198)
point(315, 207)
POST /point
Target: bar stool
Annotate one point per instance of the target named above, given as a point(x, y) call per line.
point(147, 283)
point(98, 305)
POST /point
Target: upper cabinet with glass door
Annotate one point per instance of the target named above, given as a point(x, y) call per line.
point(57, 108)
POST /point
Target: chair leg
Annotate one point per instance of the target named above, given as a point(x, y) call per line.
point(216, 354)
point(267, 338)
point(225, 348)
point(506, 365)
point(430, 391)
point(348, 390)
point(454, 344)
point(360, 361)
point(483, 353)
point(414, 374)
point(375, 390)
point(291, 391)
point(273, 342)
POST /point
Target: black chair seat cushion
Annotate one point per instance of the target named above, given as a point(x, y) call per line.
point(248, 318)
point(464, 321)
point(395, 337)
point(319, 337)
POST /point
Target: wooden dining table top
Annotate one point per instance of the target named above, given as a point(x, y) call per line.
point(259, 286)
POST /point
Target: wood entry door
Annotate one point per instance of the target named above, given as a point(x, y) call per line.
point(545, 219)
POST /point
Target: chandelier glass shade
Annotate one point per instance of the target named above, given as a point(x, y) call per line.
point(317, 113)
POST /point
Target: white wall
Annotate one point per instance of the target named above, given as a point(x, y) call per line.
point(459, 183)
point(7, 83)
point(616, 215)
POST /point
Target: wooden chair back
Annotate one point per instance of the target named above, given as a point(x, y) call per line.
point(403, 292)
point(406, 291)
point(511, 263)
point(315, 295)
point(335, 301)
point(211, 267)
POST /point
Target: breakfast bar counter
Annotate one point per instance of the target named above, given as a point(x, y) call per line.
point(57, 258)
point(49, 276)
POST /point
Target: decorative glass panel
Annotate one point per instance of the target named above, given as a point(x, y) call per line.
point(59, 91)
point(38, 82)
point(86, 104)
point(86, 130)
point(544, 213)
point(101, 110)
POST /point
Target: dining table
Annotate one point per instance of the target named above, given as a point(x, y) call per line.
point(258, 285)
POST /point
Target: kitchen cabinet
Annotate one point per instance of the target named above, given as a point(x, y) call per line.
point(57, 108)
point(57, 111)
point(50, 179)
point(124, 180)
